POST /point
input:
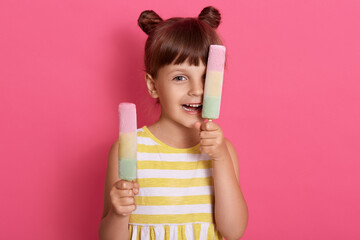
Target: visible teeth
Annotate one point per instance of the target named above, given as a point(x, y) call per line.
point(193, 105)
point(197, 106)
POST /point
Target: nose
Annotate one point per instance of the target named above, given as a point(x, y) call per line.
point(196, 88)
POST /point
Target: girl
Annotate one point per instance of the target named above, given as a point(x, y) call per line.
point(188, 180)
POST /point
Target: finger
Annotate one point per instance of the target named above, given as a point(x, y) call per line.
point(210, 126)
point(207, 142)
point(126, 201)
point(203, 126)
point(136, 188)
point(206, 149)
point(208, 134)
point(131, 208)
point(126, 210)
point(122, 184)
point(124, 193)
point(136, 185)
point(197, 125)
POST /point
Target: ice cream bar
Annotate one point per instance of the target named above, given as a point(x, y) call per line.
point(213, 82)
point(127, 141)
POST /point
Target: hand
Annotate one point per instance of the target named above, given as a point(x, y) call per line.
point(122, 195)
point(212, 141)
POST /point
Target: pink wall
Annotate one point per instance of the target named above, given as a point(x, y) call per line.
point(290, 106)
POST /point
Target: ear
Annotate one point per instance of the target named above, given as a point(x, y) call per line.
point(151, 86)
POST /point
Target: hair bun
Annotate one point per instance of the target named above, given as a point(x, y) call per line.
point(148, 20)
point(211, 16)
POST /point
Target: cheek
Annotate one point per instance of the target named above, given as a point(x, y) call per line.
point(172, 94)
point(167, 99)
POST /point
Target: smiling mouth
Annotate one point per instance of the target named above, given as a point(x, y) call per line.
point(192, 107)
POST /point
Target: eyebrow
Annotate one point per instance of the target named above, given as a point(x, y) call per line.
point(178, 69)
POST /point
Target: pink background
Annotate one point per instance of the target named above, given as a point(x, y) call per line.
point(290, 106)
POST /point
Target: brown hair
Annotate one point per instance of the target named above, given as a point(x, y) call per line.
point(178, 39)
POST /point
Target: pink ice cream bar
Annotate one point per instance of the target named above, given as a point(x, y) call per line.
point(127, 141)
point(213, 82)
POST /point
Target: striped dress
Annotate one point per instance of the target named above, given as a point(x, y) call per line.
point(176, 197)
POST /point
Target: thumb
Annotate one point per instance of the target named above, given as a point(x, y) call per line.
point(197, 125)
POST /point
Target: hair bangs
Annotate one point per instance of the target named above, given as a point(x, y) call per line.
point(183, 40)
point(191, 43)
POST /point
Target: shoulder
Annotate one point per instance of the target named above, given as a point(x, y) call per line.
point(231, 149)
point(114, 148)
point(229, 145)
point(113, 157)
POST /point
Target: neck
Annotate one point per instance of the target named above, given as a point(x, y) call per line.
point(174, 134)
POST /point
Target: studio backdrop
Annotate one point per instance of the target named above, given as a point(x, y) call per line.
point(290, 106)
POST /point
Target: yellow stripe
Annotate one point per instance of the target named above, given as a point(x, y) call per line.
point(163, 146)
point(165, 149)
point(138, 235)
point(202, 164)
point(171, 219)
point(172, 182)
point(183, 200)
point(197, 228)
point(152, 232)
point(181, 232)
point(142, 134)
point(210, 233)
point(167, 232)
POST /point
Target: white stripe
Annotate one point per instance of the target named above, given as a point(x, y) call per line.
point(189, 232)
point(145, 233)
point(176, 209)
point(173, 232)
point(176, 192)
point(146, 141)
point(178, 174)
point(204, 230)
point(172, 157)
point(134, 233)
point(159, 232)
point(140, 130)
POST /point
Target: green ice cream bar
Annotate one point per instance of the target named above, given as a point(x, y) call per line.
point(127, 169)
point(211, 107)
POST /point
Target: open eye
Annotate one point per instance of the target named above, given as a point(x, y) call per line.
point(179, 78)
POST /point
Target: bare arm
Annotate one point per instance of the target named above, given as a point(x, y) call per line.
point(231, 213)
point(114, 227)
point(118, 201)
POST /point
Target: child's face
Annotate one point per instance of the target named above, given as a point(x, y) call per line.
point(178, 86)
